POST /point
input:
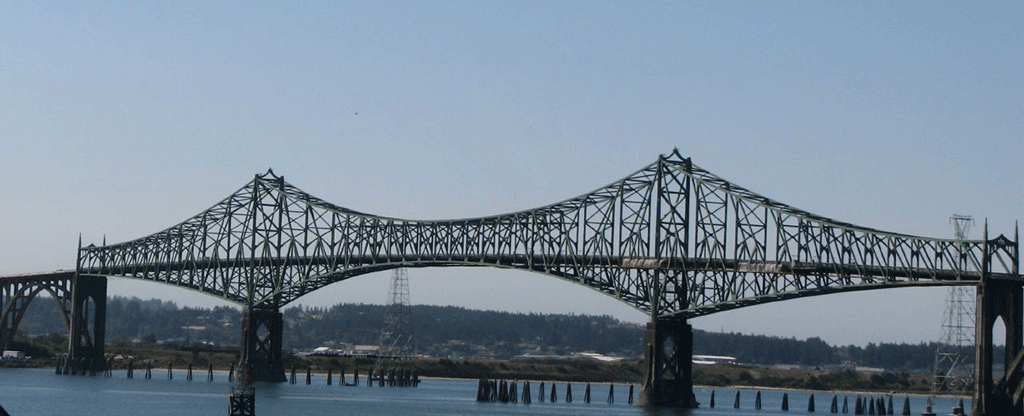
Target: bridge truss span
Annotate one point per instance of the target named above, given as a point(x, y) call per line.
point(671, 239)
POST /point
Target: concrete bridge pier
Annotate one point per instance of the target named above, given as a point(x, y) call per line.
point(88, 324)
point(668, 350)
point(262, 334)
point(1005, 300)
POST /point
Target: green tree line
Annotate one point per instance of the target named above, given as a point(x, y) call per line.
point(449, 331)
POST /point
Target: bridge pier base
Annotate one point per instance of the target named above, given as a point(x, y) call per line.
point(668, 365)
point(88, 325)
point(262, 335)
point(998, 299)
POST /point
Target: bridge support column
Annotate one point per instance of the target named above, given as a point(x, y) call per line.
point(997, 299)
point(668, 366)
point(88, 324)
point(8, 300)
point(262, 334)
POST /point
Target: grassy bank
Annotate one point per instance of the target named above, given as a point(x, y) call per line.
point(816, 379)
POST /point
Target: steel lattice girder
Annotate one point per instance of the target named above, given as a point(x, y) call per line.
point(671, 235)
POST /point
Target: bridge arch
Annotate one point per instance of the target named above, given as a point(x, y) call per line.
point(18, 292)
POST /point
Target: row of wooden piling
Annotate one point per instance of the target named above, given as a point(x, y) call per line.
point(66, 366)
point(400, 378)
point(489, 390)
point(393, 378)
point(862, 405)
point(170, 371)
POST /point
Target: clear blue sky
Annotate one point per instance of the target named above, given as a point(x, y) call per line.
point(122, 119)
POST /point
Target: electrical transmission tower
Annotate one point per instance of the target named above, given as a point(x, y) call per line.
point(394, 358)
point(954, 358)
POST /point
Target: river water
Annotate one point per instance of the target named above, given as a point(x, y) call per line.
point(41, 392)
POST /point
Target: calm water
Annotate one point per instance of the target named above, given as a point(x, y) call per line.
point(40, 392)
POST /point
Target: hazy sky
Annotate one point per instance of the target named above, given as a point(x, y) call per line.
point(122, 119)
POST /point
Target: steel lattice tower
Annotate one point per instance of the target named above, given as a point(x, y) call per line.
point(954, 357)
point(396, 336)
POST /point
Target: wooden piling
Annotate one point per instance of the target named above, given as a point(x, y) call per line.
point(630, 401)
point(906, 406)
point(568, 393)
point(611, 394)
point(188, 376)
point(309, 376)
point(554, 395)
point(170, 375)
point(209, 373)
point(834, 408)
point(526, 393)
point(586, 394)
point(785, 401)
point(736, 401)
point(810, 404)
point(757, 401)
point(540, 396)
point(928, 408)
point(712, 400)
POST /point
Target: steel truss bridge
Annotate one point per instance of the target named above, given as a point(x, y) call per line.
point(671, 239)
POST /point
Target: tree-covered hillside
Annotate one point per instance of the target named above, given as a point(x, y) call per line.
point(454, 332)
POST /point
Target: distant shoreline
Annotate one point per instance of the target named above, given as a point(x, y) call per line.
point(547, 370)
